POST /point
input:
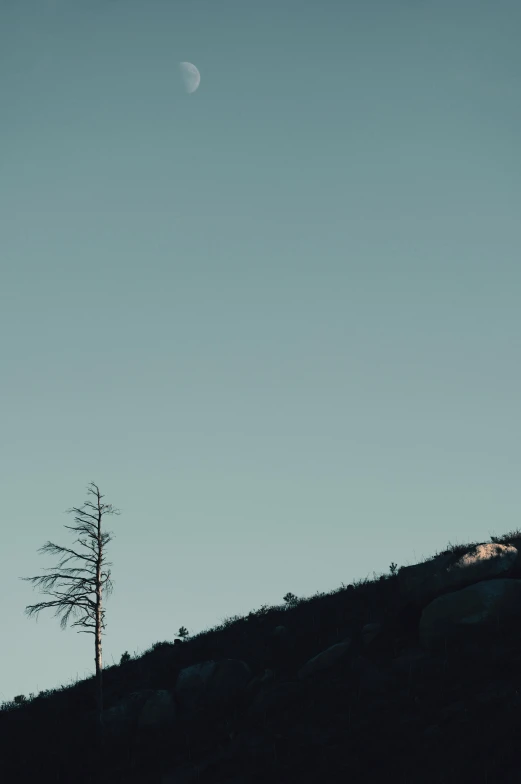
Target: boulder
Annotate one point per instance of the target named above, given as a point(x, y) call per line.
point(325, 659)
point(279, 646)
point(450, 572)
point(121, 718)
point(282, 634)
point(158, 710)
point(192, 684)
point(372, 678)
point(210, 683)
point(478, 609)
point(275, 698)
point(370, 631)
point(258, 682)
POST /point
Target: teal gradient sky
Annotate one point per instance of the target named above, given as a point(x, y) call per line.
point(277, 321)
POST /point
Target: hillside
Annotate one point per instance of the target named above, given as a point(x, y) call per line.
point(413, 677)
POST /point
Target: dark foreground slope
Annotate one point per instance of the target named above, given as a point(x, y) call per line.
point(413, 678)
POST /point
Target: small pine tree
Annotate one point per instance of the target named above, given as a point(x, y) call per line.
point(183, 632)
point(291, 600)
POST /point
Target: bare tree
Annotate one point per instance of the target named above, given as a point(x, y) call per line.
point(79, 587)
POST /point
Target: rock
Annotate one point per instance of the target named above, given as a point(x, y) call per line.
point(230, 677)
point(372, 679)
point(192, 683)
point(325, 659)
point(211, 683)
point(281, 633)
point(275, 698)
point(258, 682)
point(410, 660)
point(158, 710)
point(120, 719)
point(422, 582)
point(416, 581)
point(279, 646)
point(479, 608)
point(370, 631)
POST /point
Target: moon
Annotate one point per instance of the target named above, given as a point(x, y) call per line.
point(190, 76)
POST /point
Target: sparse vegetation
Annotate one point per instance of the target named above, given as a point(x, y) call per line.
point(164, 644)
point(315, 623)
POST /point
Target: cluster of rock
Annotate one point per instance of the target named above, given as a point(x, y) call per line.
point(457, 600)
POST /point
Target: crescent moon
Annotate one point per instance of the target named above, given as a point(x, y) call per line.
point(190, 76)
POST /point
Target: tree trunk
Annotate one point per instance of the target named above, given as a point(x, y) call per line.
point(99, 691)
point(99, 670)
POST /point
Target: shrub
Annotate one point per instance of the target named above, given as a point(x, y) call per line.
point(164, 644)
point(125, 657)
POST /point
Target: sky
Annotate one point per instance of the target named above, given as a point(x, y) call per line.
point(276, 320)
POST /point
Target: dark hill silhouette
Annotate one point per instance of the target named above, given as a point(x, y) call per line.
point(413, 677)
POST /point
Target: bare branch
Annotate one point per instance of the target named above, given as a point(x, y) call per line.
point(49, 547)
point(77, 591)
point(78, 582)
point(82, 513)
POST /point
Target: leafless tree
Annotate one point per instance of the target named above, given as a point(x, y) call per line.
point(77, 597)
